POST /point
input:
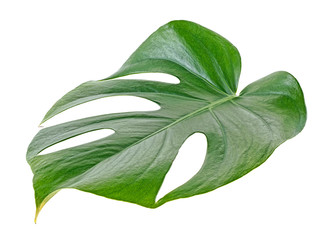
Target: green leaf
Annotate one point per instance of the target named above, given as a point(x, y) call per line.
point(130, 165)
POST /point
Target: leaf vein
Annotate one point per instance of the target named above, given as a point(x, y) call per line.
point(258, 117)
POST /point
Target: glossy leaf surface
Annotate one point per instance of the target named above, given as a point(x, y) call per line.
point(130, 165)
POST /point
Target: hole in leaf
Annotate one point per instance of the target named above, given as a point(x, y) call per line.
point(158, 77)
point(78, 140)
point(187, 163)
point(101, 106)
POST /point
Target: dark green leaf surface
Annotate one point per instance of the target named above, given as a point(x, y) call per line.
point(130, 165)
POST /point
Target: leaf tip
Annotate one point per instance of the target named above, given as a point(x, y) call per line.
point(43, 121)
point(42, 204)
point(38, 209)
point(35, 220)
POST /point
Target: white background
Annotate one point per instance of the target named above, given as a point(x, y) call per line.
point(49, 47)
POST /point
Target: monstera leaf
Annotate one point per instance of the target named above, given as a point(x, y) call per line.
point(242, 130)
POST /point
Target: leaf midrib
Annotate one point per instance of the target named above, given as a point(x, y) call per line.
point(208, 107)
point(211, 105)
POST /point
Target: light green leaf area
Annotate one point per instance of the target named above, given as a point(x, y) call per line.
point(130, 165)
